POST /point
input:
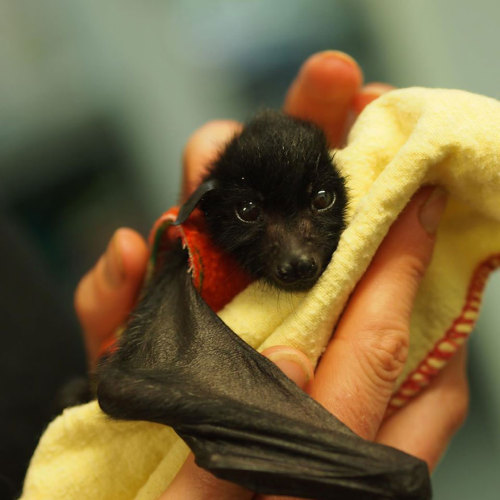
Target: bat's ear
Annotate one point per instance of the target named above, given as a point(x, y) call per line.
point(194, 199)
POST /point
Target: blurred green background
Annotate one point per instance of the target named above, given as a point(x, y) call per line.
point(97, 99)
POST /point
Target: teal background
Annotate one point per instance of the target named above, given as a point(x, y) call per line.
point(98, 97)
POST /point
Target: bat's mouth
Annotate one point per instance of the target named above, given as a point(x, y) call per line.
point(296, 286)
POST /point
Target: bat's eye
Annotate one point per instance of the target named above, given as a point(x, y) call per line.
point(248, 211)
point(323, 200)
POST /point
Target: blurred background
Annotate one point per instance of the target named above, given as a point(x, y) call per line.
point(97, 99)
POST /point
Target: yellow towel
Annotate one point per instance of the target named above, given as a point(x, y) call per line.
point(403, 140)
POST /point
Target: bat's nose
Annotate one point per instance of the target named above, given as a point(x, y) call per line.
point(297, 269)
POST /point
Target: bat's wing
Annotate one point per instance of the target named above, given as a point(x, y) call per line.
point(178, 364)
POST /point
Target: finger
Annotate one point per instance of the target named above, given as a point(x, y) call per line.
point(356, 376)
point(447, 397)
point(292, 362)
point(324, 91)
point(106, 294)
point(368, 94)
point(203, 148)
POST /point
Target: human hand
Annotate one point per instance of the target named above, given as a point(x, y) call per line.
point(356, 376)
point(328, 91)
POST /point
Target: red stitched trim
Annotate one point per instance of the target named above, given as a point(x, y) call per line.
point(453, 338)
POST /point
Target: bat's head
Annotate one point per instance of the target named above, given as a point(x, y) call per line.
point(276, 202)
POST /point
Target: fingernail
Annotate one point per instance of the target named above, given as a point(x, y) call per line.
point(432, 210)
point(338, 55)
point(324, 73)
point(293, 363)
point(113, 264)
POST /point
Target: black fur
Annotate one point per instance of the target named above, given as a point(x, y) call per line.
point(279, 163)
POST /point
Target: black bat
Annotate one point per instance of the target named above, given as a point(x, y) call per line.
point(275, 201)
point(279, 205)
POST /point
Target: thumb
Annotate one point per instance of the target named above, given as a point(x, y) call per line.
point(292, 362)
point(357, 374)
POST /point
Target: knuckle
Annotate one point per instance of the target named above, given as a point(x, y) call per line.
point(413, 267)
point(385, 352)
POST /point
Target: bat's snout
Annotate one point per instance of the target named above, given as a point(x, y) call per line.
point(297, 271)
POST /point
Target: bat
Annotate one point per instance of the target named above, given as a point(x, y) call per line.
point(279, 205)
point(275, 201)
